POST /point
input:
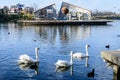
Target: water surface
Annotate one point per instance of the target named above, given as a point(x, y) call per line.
point(56, 42)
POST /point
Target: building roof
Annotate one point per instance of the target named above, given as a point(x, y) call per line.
point(76, 6)
point(45, 7)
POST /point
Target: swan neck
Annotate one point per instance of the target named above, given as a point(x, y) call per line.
point(36, 53)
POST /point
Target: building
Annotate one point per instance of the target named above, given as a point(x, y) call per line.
point(73, 12)
point(67, 12)
point(16, 8)
point(13, 9)
point(28, 10)
point(48, 12)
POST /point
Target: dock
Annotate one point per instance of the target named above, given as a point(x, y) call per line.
point(63, 22)
point(113, 58)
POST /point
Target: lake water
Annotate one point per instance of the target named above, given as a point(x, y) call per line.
point(56, 42)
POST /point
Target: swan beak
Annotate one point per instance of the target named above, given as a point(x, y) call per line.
point(37, 48)
point(88, 45)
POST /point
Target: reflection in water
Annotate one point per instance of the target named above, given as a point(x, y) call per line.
point(86, 62)
point(34, 66)
point(11, 31)
point(23, 38)
point(63, 69)
point(47, 33)
point(64, 33)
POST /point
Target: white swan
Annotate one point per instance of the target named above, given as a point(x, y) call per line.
point(25, 59)
point(81, 55)
point(63, 63)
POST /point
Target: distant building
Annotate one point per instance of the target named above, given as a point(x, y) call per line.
point(28, 10)
point(48, 12)
point(19, 7)
point(74, 12)
point(13, 9)
point(16, 8)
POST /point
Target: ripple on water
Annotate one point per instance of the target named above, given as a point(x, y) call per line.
point(4, 56)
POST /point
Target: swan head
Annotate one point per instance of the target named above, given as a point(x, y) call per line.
point(87, 45)
point(37, 48)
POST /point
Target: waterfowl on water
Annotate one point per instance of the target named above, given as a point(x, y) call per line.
point(82, 55)
point(64, 63)
point(25, 59)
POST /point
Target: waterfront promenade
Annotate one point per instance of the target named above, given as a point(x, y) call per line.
point(63, 22)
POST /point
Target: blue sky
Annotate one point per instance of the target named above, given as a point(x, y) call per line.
point(101, 5)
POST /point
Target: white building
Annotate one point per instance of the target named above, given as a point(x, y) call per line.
point(75, 12)
point(48, 12)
